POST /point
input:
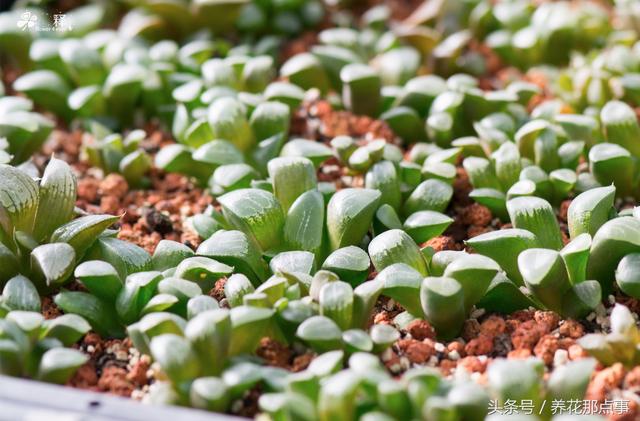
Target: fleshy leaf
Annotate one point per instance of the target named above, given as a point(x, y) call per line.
point(349, 215)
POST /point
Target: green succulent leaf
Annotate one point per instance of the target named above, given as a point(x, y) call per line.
point(628, 275)
point(100, 278)
point(255, 212)
point(169, 254)
point(474, 273)
point(612, 164)
point(504, 246)
point(82, 232)
point(581, 299)
point(210, 336)
point(396, 246)
point(383, 176)
point(199, 304)
point(203, 271)
point(19, 198)
point(536, 215)
point(590, 210)
point(304, 222)
point(516, 379)
point(67, 328)
point(402, 283)
point(493, 199)
point(160, 302)
point(614, 240)
point(620, 125)
point(126, 257)
point(228, 121)
point(425, 225)
point(47, 89)
point(57, 198)
point(320, 333)
point(209, 393)
point(54, 262)
point(135, 295)
point(59, 364)
point(570, 381)
point(293, 261)
point(365, 296)
point(360, 89)
point(336, 303)
point(175, 356)
point(442, 302)
point(349, 215)
point(431, 195)
point(19, 293)
point(234, 248)
point(315, 151)
point(504, 296)
point(351, 264)
point(383, 336)
point(269, 119)
point(249, 325)
point(291, 177)
point(93, 310)
point(575, 256)
point(545, 274)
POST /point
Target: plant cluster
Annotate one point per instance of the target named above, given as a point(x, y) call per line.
point(305, 261)
point(113, 153)
point(22, 130)
point(622, 344)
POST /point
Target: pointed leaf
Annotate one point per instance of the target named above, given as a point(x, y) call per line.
point(100, 278)
point(303, 225)
point(349, 215)
point(57, 198)
point(82, 232)
point(54, 262)
point(20, 294)
point(59, 364)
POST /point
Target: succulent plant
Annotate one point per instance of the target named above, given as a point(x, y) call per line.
point(525, 35)
point(301, 258)
point(113, 153)
point(39, 237)
point(36, 348)
point(22, 131)
point(621, 345)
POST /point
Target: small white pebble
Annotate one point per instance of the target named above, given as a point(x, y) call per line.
point(560, 357)
point(405, 363)
point(395, 368)
point(612, 299)
point(236, 406)
point(477, 313)
point(137, 395)
point(482, 358)
point(91, 349)
point(440, 347)
point(591, 316)
point(389, 305)
point(433, 361)
point(386, 354)
point(454, 355)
